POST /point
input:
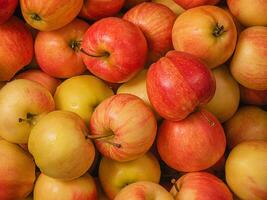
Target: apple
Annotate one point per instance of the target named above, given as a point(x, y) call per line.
point(58, 52)
point(178, 83)
point(253, 97)
point(2, 84)
point(81, 94)
point(207, 32)
point(114, 175)
point(101, 194)
point(16, 47)
point(172, 5)
point(131, 3)
point(248, 123)
point(59, 145)
point(245, 170)
point(17, 171)
point(200, 186)
point(186, 4)
point(22, 104)
point(144, 190)
point(156, 22)
point(249, 12)
point(95, 9)
point(226, 99)
point(41, 77)
point(218, 168)
point(249, 63)
point(54, 189)
point(199, 137)
point(50, 15)
point(7, 8)
point(124, 127)
point(114, 49)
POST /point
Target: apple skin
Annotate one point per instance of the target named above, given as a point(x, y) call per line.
point(81, 95)
point(187, 4)
point(249, 12)
point(50, 83)
point(178, 83)
point(131, 3)
point(113, 59)
point(16, 47)
point(22, 104)
point(248, 123)
point(200, 136)
point(50, 15)
point(58, 52)
point(249, 63)
point(245, 170)
point(17, 171)
point(127, 121)
point(200, 186)
point(2, 84)
point(226, 99)
point(82, 188)
point(156, 22)
point(7, 9)
point(116, 175)
point(144, 190)
point(172, 5)
point(210, 43)
point(95, 9)
point(253, 97)
point(59, 146)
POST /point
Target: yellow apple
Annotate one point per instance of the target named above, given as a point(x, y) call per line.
point(172, 5)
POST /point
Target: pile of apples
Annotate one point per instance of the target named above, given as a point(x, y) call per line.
point(133, 99)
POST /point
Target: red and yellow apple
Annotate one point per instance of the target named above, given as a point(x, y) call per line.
point(171, 4)
point(253, 97)
point(186, 4)
point(7, 8)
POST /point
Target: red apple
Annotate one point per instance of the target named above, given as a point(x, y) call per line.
point(249, 63)
point(253, 97)
point(124, 127)
point(41, 77)
point(207, 32)
point(58, 52)
point(178, 83)
point(186, 4)
point(114, 49)
point(7, 8)
point(200, 186)
point(50, 15)
point(96, 9)
point(16, 48)
point(193, 144)
point(156, 22)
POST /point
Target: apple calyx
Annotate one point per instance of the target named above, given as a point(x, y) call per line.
point(104, 137)
point(103, 54)
point(75, 45)
point(218, 30)
point(29, 119)
point(36, 17)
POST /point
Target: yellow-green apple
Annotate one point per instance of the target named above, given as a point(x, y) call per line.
point(178, 83)
point(248, 123)
point(207, 32)
point(249, 63)
point(124, 127)
point(186, 4)
point(7, 8)
point(227, 95)
point(41, 77)
point(82, 188)
point(172, 5)
point(17, 170)
point(59, 145)
point(58, 52)
point(246, 172)
point(81, 94)
point(95, 9)
point(131, 3)
point(114, 175)
point(156, 22)
point(22, 104)
point(200, 186)
point(144, 190)
point(200, 136)
point(249, 12)
point(16, 47)
point(50, 15)
point(253, 97)
point(114, 49)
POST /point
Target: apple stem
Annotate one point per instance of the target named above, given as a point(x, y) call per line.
point(212, 123)
point(104, 54)
point(173, 181)
point(103, 136)
point(218, 30)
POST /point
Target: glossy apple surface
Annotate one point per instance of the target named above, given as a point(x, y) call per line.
point(187, 4)
point(215, 40)
point(7, 8)
point(253, 97)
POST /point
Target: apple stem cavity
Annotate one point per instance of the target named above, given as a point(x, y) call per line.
point(103, 136)
point(75, 45)
point(218, 30)
point(173, 181)
point(103, 54)
point(29, 118)
point(36, 17)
